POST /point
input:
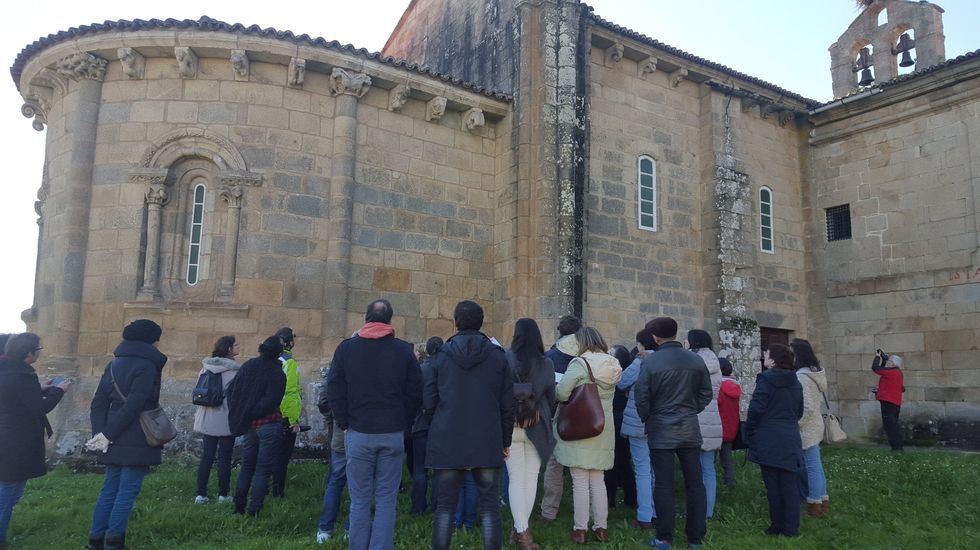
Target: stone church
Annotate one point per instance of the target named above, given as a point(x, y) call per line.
point(527, 154)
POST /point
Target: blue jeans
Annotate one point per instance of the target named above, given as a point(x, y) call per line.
point(336, 482)
point(815, 475)
point(710, 479)
point(643, 472)
point(259, 450)
point(119, 491)
point(465, 515)
point(374, 470)
point(10, 493)
point(420, 476)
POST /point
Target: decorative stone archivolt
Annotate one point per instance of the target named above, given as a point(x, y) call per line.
point(133, 63)
point(435, 108)
point(473, 120)
point(80, 66)
point(343, 82)
point(193, 142)
point(297, 71)
point(398, 96)
point(186, 61)
point(239, 62)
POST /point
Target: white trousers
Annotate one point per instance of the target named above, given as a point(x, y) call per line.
point(523, 466)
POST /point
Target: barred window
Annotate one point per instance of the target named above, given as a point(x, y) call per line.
point(647, 193)
point(197, 229)
point(765, 220)
point(839, 223)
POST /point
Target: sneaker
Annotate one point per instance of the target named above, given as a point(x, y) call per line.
point(200, 500)
point(226, 500)
point(659, 544)
point(323, 536)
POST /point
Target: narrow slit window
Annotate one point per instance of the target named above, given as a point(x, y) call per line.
point(839, 223)
point(647, 193)
point(765, 221)
point(197, 230)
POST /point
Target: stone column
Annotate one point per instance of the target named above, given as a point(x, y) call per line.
point(156, 197)
point(347, 87)
point(233, 196)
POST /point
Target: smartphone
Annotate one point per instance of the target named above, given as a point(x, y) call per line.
point(57, 380)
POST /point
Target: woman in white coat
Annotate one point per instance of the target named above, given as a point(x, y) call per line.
point(212, 423)
point(709, 419)
point(814, 382)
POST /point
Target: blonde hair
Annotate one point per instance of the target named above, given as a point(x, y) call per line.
point(589, 339)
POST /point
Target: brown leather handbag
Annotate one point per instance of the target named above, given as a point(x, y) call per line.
point(582, 416)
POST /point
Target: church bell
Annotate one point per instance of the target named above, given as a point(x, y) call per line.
point(906, 60)
point(866, 78)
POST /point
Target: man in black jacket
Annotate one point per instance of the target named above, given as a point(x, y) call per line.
point(470, 394)
point(374, 388)
point(674, 386)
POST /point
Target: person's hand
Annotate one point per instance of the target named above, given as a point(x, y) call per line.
point(46, 384)
point(98, 443)
point(63, 385)
point(506, 452)
point(294, 428)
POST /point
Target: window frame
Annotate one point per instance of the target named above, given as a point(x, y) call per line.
point(640, 201)
point(192, 246)
point(772, 221)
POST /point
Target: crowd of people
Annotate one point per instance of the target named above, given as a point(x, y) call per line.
point(474, 419)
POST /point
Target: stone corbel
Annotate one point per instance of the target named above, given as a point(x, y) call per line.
point(35, 106)
point(398, 96)
point(785, 117)
point(768, 109)
point(677, 76)
point(186, 61)
point(133, 63)
point(297, 72)
point(239, 62)
point(473, 120)
point(81, 66)
point(347, 83)
point(435, 108)
point(614, 53)
point(232, 178)
point(748, 104)
point(646, 66)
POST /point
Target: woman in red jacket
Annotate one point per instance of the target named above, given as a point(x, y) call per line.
point(728, 397)
point(889, 394)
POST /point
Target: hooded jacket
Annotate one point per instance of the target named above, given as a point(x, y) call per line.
point(773, 420)
point(214, 420)
point(729, 398)
point(814, 384)
point(374, 385)
point(709, 420)
point(594, 453)
point(674, 386)
point(562, 352)
point(136, 370)
point(23, 406)
point(470, 395)
point(292, 402)
point(632, 425)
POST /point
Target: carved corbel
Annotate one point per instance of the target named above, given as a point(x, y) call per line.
point(133, 63)
point(35, 107)
point(435, 108)
point(297, 72)
point(80, 66)
point(186, 61)
point(614, 53)
point(646, 66)
point(677, 76)
point(748, 104)
point(398, 96)
point(768, 109)
point(347, 83)
point(473, 120)
point(239, 62)
point(785, 117)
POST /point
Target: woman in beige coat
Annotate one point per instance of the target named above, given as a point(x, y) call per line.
point(589, 458)
point(814, 382)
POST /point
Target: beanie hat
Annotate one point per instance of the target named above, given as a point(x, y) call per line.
point(286, 334)
point(896, 360)
point(142, 330)
point(271, 348)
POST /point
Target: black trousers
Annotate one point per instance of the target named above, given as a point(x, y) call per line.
point(212, 447)
point(279, 469)
point(662, 461)
point(621, 475)
point(783, 493)
point(889, 421)
point(446, 484)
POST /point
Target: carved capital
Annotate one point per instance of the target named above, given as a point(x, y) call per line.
point(677, 76)
point(646, 66)
point(36, 108)
point(148, 176)
point(157, 195)
point(473, 120)
point(232, 194)
point(398, 96)
point(186, 61)
point(239, 62)
point(346, 83)
point(133, 63)
point(614, 53)
point(297, 72)
point(80, 66)
point(435, 108)
point(232, 178)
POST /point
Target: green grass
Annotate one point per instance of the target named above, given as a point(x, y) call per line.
point(920, 499)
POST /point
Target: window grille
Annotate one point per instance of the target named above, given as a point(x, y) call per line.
point(839, 223)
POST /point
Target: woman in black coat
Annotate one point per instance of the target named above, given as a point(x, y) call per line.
point(129, 386)
point(24, 402)
point(774, 438)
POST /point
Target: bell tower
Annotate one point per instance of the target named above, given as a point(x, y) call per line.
point(888, 38)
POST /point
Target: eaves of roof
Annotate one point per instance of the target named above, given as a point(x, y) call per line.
point(208, 24)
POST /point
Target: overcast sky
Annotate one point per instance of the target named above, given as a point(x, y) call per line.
point(782, 41)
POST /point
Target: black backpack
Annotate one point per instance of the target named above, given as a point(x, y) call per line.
point(525, 405)
point(209, 391)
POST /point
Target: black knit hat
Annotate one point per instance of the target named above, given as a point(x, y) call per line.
point(271, 348)
point(142, 330)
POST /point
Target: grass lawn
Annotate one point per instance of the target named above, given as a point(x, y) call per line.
point(920, 499)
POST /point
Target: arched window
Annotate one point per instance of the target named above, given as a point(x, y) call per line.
point(765, 221)
point(196, 232)
point(647, 193)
